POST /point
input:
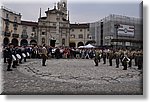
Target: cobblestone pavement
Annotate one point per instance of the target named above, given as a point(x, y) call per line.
point(71, 76)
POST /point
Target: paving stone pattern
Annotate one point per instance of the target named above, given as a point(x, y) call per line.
point(71, 76)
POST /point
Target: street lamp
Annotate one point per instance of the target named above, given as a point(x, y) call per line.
point(117, 26)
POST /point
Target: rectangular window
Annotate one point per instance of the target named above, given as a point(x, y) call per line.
point(80, 30)
point(89, 36)
point(54, 24)
point(43, 33)
point(72, 30)
point(15, 20)
point(80, 36)
point(72, 36)
point(7, 16)
point(24, 27)
point(33, 29)
point(64, 25)
point(58, 18)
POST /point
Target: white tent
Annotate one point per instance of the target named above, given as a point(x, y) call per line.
point(81, 47)
point(87, 46)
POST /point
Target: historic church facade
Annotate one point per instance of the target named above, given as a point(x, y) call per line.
point(53, 29)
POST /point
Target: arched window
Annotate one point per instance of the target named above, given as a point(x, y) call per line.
point(43, 40)
point(80, 44)
point(14, 41)
point(23, 42)
point(63, 41)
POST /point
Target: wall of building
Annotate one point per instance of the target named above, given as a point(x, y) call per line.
point(10, 26)
point(54, 27)
point(110, 33)
point(29, 31)
point(76, 31)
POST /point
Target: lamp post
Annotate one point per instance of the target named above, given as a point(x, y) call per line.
point(117, 26)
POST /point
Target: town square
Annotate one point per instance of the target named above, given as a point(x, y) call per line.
point(56, 56)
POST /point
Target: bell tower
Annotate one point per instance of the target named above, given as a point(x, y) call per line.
point(62, 6)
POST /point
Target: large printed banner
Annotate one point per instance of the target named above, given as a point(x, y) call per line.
point(126, 30)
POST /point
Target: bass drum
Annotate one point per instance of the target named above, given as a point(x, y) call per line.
point(18, 56)
point(23, 55)
point(28, 54)
point(14, 58)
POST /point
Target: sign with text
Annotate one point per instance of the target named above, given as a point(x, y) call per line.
point(126, 30)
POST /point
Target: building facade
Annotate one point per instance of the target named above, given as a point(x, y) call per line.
point(16, 31)
point(54, 28)
point(29, 33)
point(11, 28)
point(117, 30)
point(80, 35)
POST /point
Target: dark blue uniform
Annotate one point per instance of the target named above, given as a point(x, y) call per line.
point(9, 58)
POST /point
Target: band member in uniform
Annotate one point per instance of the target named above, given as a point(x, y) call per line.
point(117, 57)
point(24, 53)
point(35, 52)
point(15, 61)
point(44, 55)
point(125, 61)
point(135, 58)
point(121, 56)
point(57, 53)
point(15, 53)
point(104, 56)
point(110, 57)
point(96, 58)
point(5, 54)
point(100, 55)
point(9, 56)
point(130, 55)
point(140, 60)
point(19, 51)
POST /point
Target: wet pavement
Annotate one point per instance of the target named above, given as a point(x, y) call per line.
point(71, 76)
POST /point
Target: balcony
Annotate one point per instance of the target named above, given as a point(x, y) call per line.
point(24, 36)
point(7, 34)
point(15, 35)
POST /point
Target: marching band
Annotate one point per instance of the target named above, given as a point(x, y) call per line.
point(14, 55)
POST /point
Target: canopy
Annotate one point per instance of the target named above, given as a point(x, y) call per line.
point(81, 47)
point(87, 46)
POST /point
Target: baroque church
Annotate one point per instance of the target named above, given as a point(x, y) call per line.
point(53, 29)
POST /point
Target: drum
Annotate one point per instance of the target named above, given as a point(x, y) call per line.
point(23, 55)
point(18, 56)
point(14, 58)
point(100, 55)
point(28, 54)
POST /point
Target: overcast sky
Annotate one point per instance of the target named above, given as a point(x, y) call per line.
point(79, 11)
